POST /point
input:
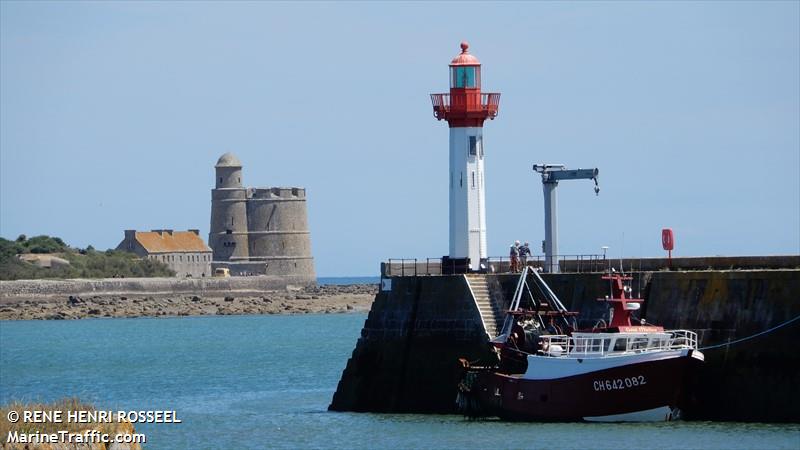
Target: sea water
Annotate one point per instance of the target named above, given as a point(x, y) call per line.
point(348, 280)
point(266, 382)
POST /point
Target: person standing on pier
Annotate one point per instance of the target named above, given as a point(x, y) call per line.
point(524, 252)
point(514, 254)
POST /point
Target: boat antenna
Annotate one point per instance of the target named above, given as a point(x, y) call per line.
point(639, 281)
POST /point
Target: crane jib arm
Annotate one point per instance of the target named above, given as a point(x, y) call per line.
point(576, 174)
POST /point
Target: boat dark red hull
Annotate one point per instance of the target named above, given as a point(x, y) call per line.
point(639, 391)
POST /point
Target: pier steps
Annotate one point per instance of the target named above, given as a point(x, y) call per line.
point(491, 312)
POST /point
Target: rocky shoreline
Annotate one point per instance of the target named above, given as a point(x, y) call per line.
point(309, 300)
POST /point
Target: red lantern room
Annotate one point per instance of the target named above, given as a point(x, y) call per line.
point(465, 105)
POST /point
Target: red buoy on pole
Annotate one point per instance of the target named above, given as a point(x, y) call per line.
point(668, 242)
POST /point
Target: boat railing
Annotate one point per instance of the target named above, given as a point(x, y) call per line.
point(602, 344)
point(683, 338)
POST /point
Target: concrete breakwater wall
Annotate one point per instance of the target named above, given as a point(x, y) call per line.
point(33, 289)
point(407, 357)
point(755, 380)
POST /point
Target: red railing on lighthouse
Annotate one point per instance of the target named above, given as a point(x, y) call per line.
point(468, 104)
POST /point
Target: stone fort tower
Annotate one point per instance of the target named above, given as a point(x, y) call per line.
point(258, 231)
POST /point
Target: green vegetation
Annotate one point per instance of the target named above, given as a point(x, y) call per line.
point(83, 263)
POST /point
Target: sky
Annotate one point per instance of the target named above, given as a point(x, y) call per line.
point(112, 115)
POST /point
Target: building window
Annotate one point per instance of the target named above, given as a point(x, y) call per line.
point(473, 145)
point(473, 179)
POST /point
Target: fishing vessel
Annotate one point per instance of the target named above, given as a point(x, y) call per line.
point(547, 369)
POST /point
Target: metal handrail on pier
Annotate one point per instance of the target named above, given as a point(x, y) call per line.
point(412, 267)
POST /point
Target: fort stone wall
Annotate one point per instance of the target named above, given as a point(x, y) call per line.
point(258, 230)
point(228, 235)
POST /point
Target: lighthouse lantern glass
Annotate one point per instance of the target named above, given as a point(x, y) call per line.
point(464, 76)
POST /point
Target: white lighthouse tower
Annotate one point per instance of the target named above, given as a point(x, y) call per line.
point(465, 109)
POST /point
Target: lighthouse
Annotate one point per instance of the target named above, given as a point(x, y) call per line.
point(465, 109)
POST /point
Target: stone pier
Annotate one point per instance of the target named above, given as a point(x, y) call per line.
point(406, 360)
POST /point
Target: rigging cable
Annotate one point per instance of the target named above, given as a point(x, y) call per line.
point(751, 337)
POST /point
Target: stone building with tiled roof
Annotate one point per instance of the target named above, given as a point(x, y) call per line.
point(183, 251)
